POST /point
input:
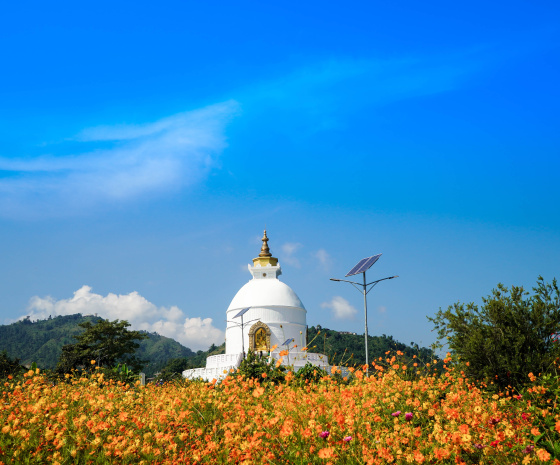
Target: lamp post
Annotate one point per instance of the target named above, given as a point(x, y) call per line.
point(362, 266)
point(240, 314)
point(241, 325)
point(287, 344)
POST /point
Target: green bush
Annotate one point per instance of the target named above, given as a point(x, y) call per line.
point(9, 366)
point(254, 366)
point(511, 334)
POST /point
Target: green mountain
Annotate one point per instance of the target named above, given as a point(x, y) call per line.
point(345, 348)
point(41, 342)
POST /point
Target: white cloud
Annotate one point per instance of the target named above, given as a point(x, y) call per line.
point(381, 309)
point(164, 155)
point(324, 258)
point(289, 250)
point(195, 333)
point(340, 308)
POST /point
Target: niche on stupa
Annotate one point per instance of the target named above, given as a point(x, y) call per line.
point(259, 337)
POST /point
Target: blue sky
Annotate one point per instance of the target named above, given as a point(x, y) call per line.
point(144, 148)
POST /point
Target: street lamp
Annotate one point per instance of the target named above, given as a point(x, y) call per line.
point(362, 266)
point(240, 325)
point(287, 343)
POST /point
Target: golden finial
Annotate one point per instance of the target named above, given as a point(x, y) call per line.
point(265, 257)
point(265, 251)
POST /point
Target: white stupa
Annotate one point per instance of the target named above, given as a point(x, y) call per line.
point(273, 315)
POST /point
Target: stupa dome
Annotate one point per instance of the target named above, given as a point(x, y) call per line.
point(265, 293)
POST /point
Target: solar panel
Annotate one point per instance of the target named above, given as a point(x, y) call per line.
point(288, 341)
point(364, 264)
point(242, 312)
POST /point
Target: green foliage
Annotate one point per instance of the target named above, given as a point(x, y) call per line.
point(255, 366)
point(42, 341)
point(9, 366)
point(541, 395)
point(348, 349)
point(173, 369)
point(511, 335)
point(310, 373)
point(106, 342)
point(121, 373)
point(158, 350)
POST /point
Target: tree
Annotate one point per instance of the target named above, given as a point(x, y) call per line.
point(511, 335)
point(8, 366)
point(106, 342)
point(175, 367)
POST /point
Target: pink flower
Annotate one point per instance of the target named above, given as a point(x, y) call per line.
point(396, 414)
point(528, 449)
point(347, 439)
point(324, 434)
point(408, 416)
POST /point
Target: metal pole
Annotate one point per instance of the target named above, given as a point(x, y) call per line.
point(242, 338)
point(365, 313)
point(364, 291)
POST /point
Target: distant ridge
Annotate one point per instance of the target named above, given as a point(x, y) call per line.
point(41, 342)
point(347, 348)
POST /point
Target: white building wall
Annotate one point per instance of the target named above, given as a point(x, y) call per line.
point(283, 322)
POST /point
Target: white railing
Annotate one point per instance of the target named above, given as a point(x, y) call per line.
point(217, 361)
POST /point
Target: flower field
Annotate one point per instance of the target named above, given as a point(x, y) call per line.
point(396, 415)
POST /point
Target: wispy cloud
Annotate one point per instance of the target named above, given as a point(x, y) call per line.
point(193, 332)
point(289, 250)
point(324, 259)
point(322, 90)
point(340, 308)
point(156, 157)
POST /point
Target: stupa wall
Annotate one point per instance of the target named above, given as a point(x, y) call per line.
point(283, 322)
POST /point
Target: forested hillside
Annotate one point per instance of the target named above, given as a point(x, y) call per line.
point(348, 348)
point(41, 342)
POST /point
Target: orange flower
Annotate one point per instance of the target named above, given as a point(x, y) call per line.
point(283, 353)
point(543, 455)
point(440, 453)
point(326, 453)
point(535, 431)
point(92, 362)
point(558, 426)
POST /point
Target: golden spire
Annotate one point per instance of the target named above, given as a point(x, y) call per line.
point(265, 251)
point(265, 257)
